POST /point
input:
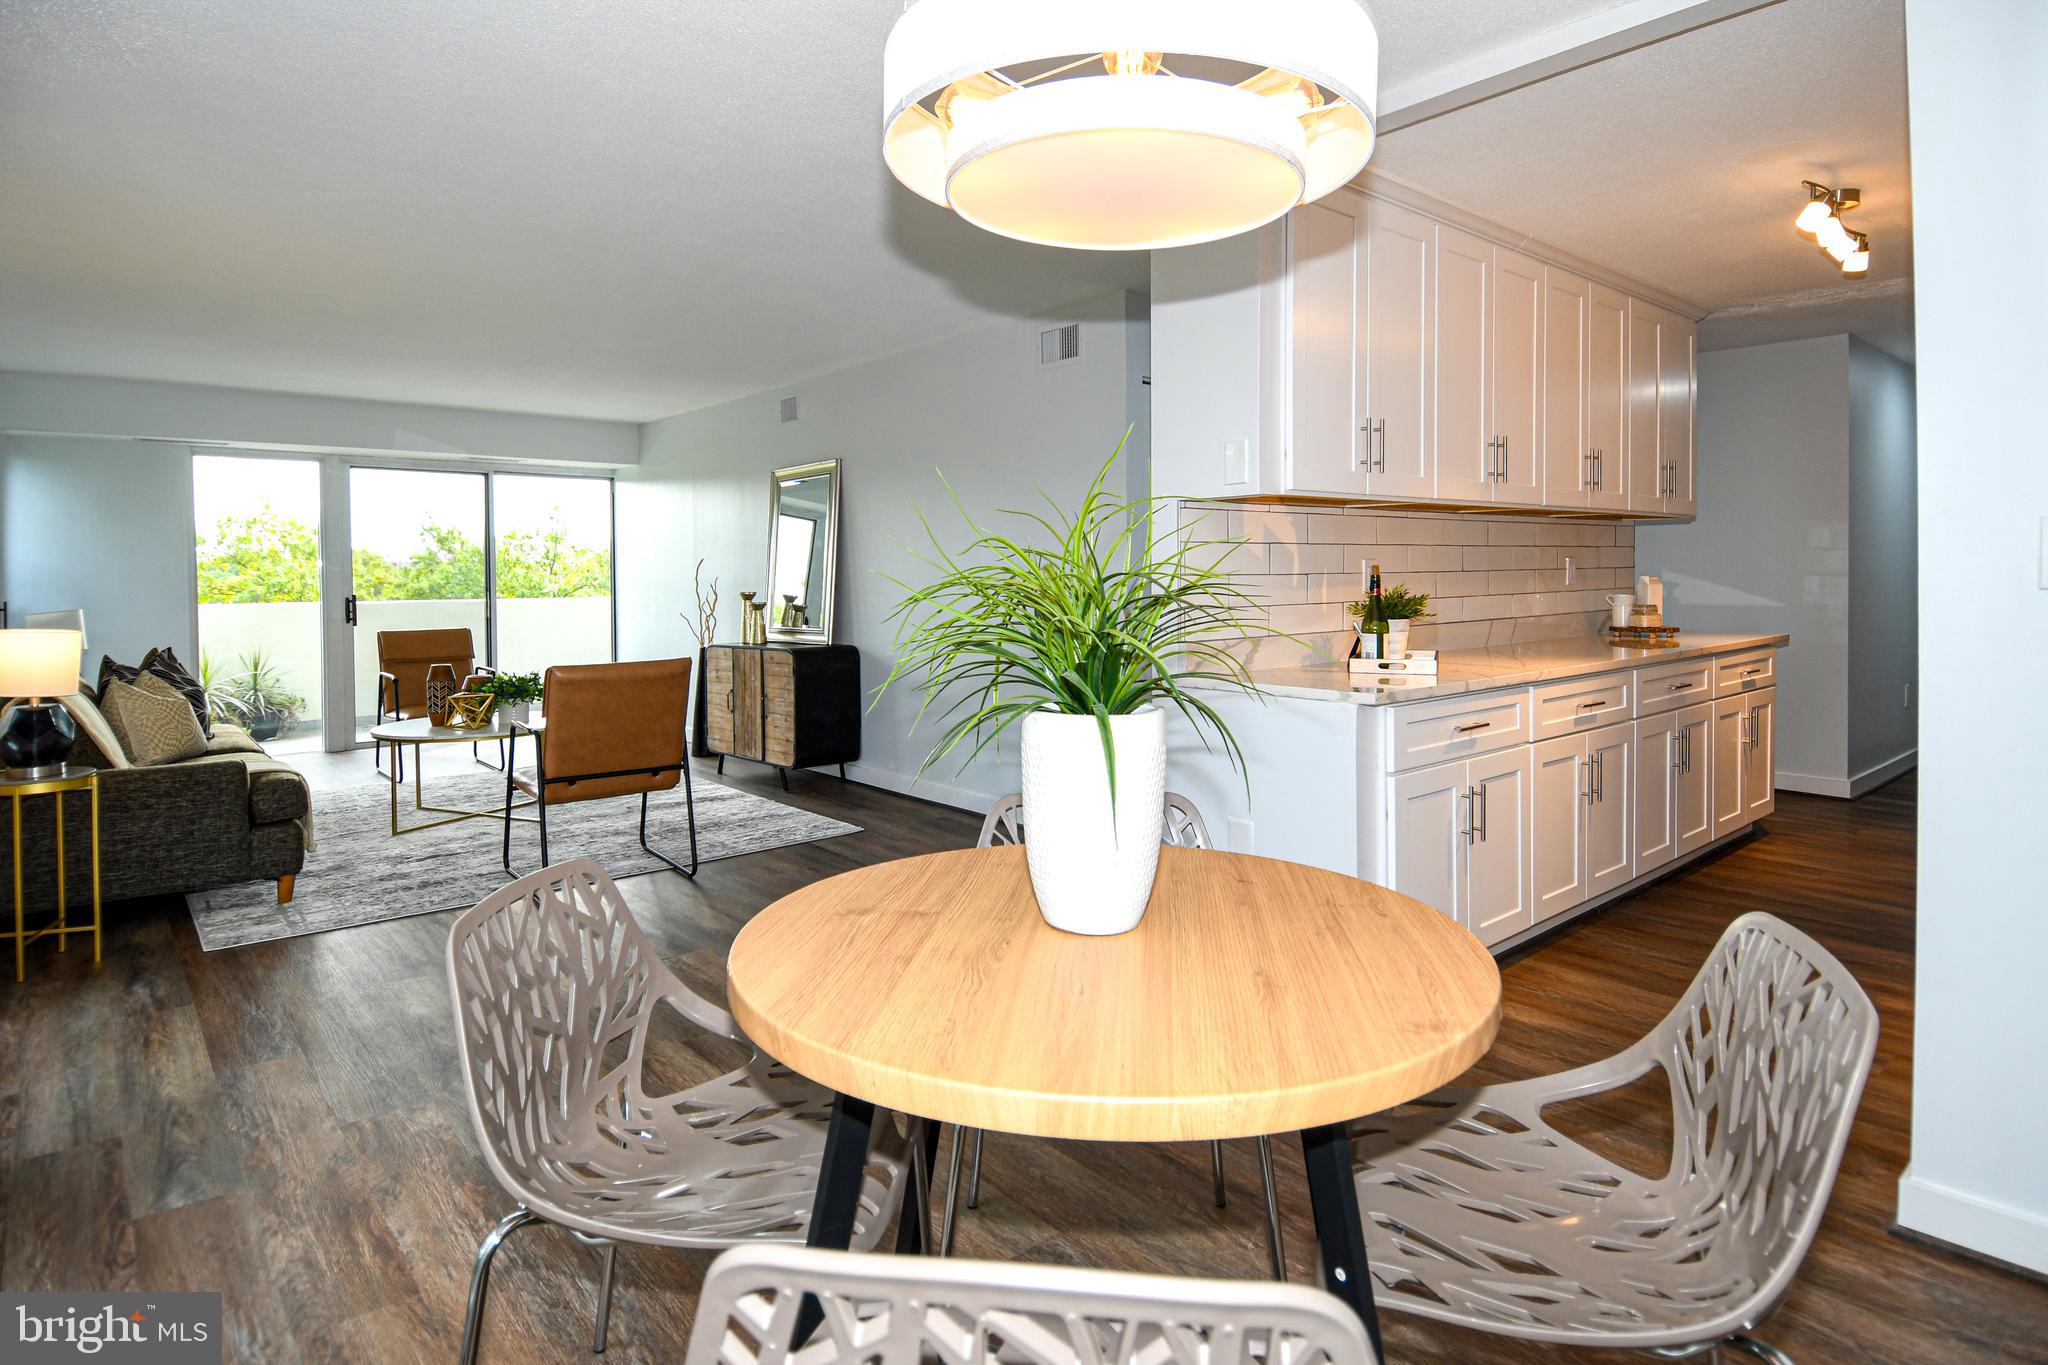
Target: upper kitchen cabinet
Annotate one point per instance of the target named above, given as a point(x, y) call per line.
point(1662, 393)
point(1367, 350)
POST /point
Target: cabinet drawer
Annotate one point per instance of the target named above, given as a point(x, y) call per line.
point(1457, 727)
point(1671, 686)
point(1579, 704)
point(1745, 672)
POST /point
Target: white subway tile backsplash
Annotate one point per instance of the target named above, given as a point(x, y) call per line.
point(1490, 579)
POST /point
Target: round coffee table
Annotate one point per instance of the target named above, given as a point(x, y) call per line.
point(1256, 997)
point(421, 731)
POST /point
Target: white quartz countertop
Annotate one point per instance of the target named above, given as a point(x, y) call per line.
point(1482, 670)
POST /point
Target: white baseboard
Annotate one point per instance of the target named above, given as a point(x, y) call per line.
point(924, 789)
point(1849, 788)
point(2007, 1234)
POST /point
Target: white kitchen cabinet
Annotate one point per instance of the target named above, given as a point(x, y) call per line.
point(1567, 389)
point(1677, 399)
point(1581, 839)
point(1394, 352)
point(1559, 787)
point(1458, 841)
point(1463, 351)
point(1517, 377)
point(1497, 900)
point(1327, 449)
point(1760, 760)
point(1745, 759)
point(1645, 422)
point(1610, 834)
point(1692, 796)
point(1607, 393)
point(1659, 754)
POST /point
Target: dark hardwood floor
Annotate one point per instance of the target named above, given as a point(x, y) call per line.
point(284, 1123)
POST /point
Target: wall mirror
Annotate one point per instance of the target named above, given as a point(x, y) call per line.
point(803, 551)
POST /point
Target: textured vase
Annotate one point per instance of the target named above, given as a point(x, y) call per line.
point(1092, 867)
point(441, 685)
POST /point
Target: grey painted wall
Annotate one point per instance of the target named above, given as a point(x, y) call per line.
point(103, 525)
point(1769, 549)
point(72, 405)
point(979, 408)
point(1884, 576)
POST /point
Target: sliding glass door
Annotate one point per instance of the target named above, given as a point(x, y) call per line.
point(521, 561)
point(256, 524)
point(552, 569)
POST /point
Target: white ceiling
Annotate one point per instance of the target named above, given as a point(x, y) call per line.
point(628, 208)
point(1680, 164)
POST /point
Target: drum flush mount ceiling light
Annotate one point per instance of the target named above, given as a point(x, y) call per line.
point(1120, 125)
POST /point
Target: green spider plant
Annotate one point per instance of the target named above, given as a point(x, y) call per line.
point(1086, 616)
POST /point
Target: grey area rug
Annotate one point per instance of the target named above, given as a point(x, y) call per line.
point(360, 874)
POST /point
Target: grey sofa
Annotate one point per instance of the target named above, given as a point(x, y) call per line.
point(230, 815)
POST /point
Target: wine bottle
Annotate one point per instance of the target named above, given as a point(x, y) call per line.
point(1372, 631)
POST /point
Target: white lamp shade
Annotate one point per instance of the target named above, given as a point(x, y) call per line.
point(1816, 212)
point(39, 663)
point(1005, 112)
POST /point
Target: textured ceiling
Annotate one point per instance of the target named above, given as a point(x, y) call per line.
point(1680, 163)
point(628, 208)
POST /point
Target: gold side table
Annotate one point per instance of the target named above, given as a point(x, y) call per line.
point(17, 790)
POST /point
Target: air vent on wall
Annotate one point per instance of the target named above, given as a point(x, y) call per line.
point(789, 408)
point(1060, 345)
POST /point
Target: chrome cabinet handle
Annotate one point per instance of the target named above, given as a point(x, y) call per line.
point(1681, 687)
point(1480, 793)
point(1600, 778)
point(1380, 427)
point(1592, 479)
point(1501, 475)
point(1591, 705)
point(1468, 729)
point(1471, 810)
point(1752, 672)
point(1586, 793)
point(1678, 751)
point(1365, 431)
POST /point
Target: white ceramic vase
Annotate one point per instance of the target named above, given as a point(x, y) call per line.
point(519, 711)
point(1397, 638)
point(1092, 870)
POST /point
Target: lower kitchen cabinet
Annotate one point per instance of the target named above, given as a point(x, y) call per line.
point(1745, 759)
point(1581, 842)
point(1671, 755)
point(1460, 841)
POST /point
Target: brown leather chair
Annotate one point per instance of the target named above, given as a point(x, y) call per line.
point(403, 658)
point(610, 730)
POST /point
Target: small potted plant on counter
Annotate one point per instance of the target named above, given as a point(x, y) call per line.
point(1401, 609)
point(1079, 631)
point(515, 694)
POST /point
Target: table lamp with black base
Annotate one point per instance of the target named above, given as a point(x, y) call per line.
point(36, 665)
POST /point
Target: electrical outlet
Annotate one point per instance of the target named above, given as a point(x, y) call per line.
point(1567, 571)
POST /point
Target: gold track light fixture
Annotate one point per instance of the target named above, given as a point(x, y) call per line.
point(1821, 219)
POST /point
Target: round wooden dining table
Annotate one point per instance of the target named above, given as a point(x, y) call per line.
point(1255, 997)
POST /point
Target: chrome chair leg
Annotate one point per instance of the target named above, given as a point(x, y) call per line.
point(480, 1277)
point(1216, 1170)
point(1762, 1350)
point(1274, 1243)
point(604, 1300)
point(952, 1212)
point(920, 1206)
point(974, 1175)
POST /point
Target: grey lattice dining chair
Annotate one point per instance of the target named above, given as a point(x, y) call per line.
point(1184, 828)
point(904, 1310)
point(1478, 1212)
point(555, 989)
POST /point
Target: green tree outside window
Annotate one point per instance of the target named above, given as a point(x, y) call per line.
point(268, 558)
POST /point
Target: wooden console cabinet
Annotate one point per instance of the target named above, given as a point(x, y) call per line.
point(786, 705)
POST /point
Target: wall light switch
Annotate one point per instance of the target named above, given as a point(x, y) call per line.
point(1237, 462)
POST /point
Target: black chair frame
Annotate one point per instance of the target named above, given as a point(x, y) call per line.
point(542, 782)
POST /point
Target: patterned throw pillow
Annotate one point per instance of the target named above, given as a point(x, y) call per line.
point(113, 672)
point(153, 720)
point(165, 665)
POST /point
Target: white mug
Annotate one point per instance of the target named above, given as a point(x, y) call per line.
point(1623, 603)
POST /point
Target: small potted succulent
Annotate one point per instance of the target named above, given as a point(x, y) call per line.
point(515, 694)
